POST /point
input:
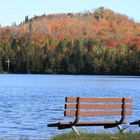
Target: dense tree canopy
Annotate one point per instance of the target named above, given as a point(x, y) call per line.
point(99, 42)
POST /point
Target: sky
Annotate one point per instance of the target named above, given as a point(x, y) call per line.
point(16, 10)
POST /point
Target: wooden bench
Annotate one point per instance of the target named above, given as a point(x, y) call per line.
point(95, 107)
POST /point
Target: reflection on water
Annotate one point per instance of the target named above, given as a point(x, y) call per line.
point(29, 102)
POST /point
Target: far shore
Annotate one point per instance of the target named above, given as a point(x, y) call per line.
point(75, 74)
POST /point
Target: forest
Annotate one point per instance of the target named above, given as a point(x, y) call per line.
point(92, 42)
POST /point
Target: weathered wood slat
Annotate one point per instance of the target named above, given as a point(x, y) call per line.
point(85, 99)
point(98, 106)
point(86, 123)
point(89, 123)
point(97, 113)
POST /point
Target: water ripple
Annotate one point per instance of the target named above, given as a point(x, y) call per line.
point(29, 102)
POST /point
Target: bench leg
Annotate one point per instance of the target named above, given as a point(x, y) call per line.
point(75, 130)
point(122, 128)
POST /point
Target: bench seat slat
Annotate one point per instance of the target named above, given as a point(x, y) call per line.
point(97, 113)
point(84, 99)
point(90, 123)
point(98, 106)
point(86, 123)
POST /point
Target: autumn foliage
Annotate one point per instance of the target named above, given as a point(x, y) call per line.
point(102, 24)
point(54, 43)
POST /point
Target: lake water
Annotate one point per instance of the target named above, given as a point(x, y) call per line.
point(29, 102)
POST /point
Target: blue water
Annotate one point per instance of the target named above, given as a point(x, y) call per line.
point(29, 102)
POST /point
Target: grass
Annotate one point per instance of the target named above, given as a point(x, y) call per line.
point(103, 136)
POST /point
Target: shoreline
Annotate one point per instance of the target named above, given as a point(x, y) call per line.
point(116, 75)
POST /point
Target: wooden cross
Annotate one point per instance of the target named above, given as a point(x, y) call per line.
point(8, 63)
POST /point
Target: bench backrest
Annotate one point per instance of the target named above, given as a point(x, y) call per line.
point(82, 106)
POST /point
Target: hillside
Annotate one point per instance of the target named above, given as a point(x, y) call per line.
point(37, 44)
point(102, 24)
